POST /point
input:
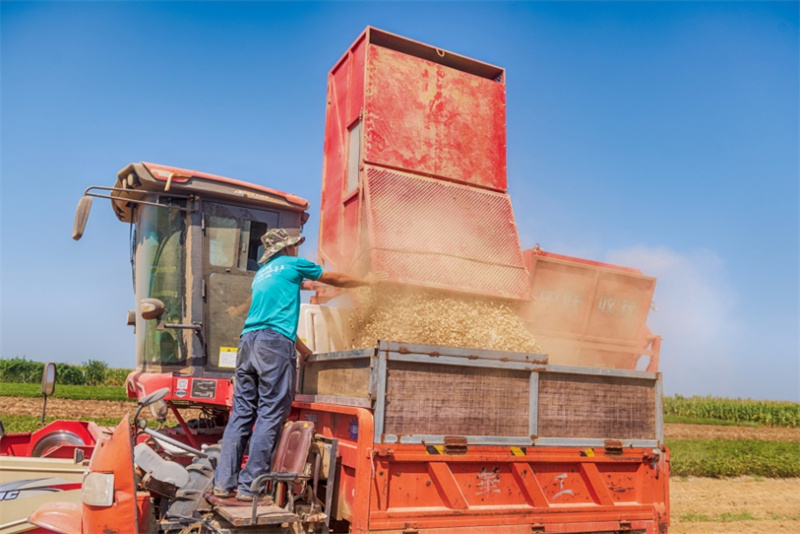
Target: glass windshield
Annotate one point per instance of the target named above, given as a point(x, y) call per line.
point(159, 273)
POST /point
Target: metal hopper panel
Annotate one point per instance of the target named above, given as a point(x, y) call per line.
point(443, 235)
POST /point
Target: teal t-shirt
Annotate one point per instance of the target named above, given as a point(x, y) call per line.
point(276, 294)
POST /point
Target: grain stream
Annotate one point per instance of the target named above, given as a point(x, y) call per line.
point(433, 318)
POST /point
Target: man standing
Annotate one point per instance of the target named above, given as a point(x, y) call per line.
point(266, 365)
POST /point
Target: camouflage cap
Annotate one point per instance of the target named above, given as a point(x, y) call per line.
point(276, 240)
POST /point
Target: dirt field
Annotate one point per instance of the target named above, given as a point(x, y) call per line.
point(65, 408)
point(73, 409)
point(76, 409)
point(680, 431)
point(699, 505)
point(711, 506)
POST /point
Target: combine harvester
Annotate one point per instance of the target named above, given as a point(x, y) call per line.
point(397, 437)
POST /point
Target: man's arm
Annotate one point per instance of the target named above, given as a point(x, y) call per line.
point(303, 350)
point(335, 279)
point(236, 311)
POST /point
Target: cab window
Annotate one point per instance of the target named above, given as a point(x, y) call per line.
point(234, 237)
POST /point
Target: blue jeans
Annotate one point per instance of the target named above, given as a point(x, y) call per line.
point(266, 369)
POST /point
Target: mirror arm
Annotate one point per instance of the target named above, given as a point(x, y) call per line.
point(44, 409)
point(194, 326)
point(88, 193)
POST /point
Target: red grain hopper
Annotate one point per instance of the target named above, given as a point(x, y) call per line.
point(414, 175)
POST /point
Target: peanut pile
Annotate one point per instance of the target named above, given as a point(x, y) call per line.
point(433, 318)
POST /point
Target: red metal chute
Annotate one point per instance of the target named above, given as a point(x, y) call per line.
point(590, 313)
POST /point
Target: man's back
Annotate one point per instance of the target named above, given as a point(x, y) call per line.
point(276, 294)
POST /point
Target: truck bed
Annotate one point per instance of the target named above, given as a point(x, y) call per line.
point(422, 393)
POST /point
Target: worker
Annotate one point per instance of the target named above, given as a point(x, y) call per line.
point(266, 363)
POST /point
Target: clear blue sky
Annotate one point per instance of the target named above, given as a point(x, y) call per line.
point(663, 136)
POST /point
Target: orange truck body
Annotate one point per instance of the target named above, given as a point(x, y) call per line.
point(547, 481)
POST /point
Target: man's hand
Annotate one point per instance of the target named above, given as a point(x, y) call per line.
point(376, 277)
point(236, 311)
point(303, 350)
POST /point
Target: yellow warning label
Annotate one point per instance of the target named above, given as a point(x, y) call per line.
point(227, 357)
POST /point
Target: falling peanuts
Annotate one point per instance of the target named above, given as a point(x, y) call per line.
point(436, 318)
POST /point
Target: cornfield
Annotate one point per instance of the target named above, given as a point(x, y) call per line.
point(769, 413)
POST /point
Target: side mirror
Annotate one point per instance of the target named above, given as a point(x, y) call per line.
point(81, 216)
point(49, 379)
point(154, 309)
point(48, 385)
point(151, 308)
point(154, 397)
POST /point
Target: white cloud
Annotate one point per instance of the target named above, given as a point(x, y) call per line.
point(696, 317)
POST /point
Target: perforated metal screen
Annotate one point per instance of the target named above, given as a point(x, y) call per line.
point(439, 234)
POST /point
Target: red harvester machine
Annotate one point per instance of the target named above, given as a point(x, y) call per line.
point(406, 438)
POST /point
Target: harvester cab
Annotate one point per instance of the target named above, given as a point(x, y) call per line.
point(195, 241)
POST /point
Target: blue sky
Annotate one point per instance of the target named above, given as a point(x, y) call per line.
point(662, 136)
